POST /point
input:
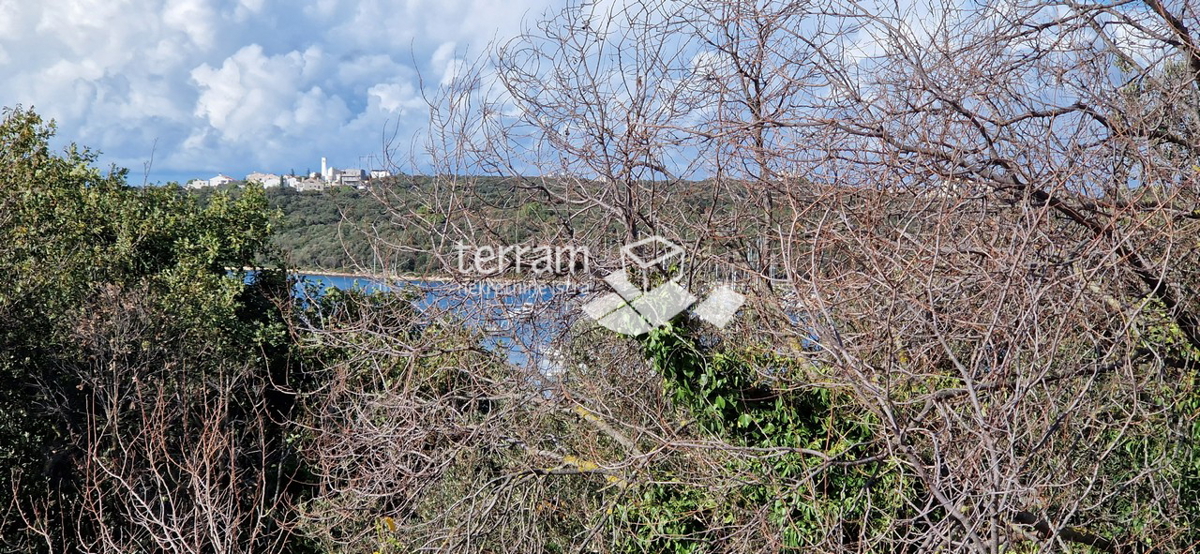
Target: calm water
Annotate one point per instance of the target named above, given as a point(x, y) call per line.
point(521, 320)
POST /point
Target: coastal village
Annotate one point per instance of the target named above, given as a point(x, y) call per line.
point(327, 178)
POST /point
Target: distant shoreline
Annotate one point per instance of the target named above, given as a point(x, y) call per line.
point(371, 276)
point(439, 278)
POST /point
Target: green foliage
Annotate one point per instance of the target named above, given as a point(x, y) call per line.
point(349, 229)
point(1166, 437)
point(115, 293)
point(800, 465)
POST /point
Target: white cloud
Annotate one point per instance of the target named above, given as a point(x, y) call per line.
point(195, 19)
point(237, 85)
point(396, 97)
point(243, 96)
point(447, 63)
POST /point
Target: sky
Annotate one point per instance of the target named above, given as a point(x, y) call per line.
point(235, 86)
point(197, 87)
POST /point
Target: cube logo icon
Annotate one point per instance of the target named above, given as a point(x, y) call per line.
point(650, 252)
point(632, 310)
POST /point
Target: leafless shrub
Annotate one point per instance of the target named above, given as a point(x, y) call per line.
point(984, 217)
point(172, 455)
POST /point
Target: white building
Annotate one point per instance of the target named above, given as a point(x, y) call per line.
point(311, 184)
point(268, 180)
point(220, 179)
point(351, 177)
point(329, 173)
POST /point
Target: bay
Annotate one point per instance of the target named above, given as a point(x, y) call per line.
point(519, 320)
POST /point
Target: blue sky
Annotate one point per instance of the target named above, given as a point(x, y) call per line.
point(240, 85)
point(235, 86)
